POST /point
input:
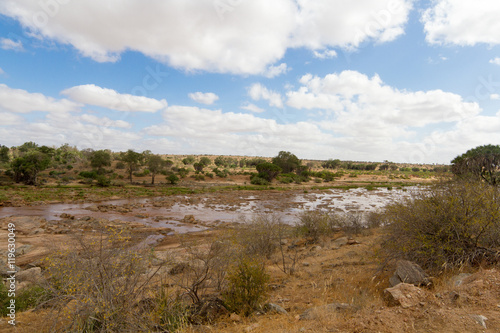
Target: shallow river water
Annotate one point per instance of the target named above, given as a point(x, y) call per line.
point(232, 207)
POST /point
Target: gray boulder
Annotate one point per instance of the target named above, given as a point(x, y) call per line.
point(409, 272)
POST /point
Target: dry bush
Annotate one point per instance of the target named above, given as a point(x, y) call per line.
point(450, 225)
point(314, 224)
point(205, 269)
point(100, 285)
point(260, 236)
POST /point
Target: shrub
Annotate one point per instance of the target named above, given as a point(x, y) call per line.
point(173, 179)
point(259, 236)
point(451, 225)
point(256, 179)
point(247, 286)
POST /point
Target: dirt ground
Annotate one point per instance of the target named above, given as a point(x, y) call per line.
point(336, 270)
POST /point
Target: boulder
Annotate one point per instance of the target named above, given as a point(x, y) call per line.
point(409, 272)
point(404, 294)
point(31, 275)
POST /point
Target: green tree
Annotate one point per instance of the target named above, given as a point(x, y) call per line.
point(205, 161)
point(198, 166)
point(331, 164)
point(100, 159)
point(188, 160)
point(287, 161)
point(27, 167)
point(482, 162)
point(4, 154)
point(268, 171)
point(132, 160)
point(155, 165)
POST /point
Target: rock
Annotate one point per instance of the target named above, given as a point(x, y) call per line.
point(480, 319)
point(458, 279)
point(189, 219)
point(313, 313)
point(271, 307)
point(340, 242)
point(404, 294)
point(27, 224)
point(66, 216)
point(351, 241)
point(23, 249)
point(5, 268)
point(409, 272)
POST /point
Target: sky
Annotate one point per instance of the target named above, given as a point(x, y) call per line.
point(362, 80)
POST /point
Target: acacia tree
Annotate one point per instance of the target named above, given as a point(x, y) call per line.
point(268, 171)
point(155, 165)
point(27, 167)
point(4, 154)
point(99, 159)
point(482, 162)
point(287, 161)
point(132, 160)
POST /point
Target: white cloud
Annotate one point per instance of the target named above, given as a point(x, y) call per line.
point(274, 71)
point(252, 107)
point(462, 22)
point(325, 54)
point(242, 37)
point(203, 130)
point(204, 98)
point(495, 97)
point(9, 44)
point(104, 121)
point(495, 61)
point(21, 101)
point(359, 106)
point(9, 119)
point(109, 98)
point(258, 92)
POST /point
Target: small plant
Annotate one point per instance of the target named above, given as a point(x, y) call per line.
point(173, 179)
point(247, 286)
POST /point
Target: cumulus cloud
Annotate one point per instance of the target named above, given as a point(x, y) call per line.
point(274, 71)
point(21, 101)
point(325, 54)
point(104, 121)
point(203, 130)
point(242, 37)
point(204, 98)
point(109, 98)
point(462, 22)
point(495, 97)
point(252, 107)
point(495, 61)
point(257, 92)
point(9, 44)
point(358, 106)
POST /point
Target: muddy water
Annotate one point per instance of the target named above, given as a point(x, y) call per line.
point(211, 209)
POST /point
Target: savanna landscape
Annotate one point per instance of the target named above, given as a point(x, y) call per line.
point(139, 242)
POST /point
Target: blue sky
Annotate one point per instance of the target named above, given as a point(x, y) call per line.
point(367, 80)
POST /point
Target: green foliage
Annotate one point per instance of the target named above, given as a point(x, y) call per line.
point(287, 161)
point(188, 160)
point(331, 164)
point(247, 286)
point(205, 161)
point(173, 179)
point(220, 173)
point(259, 179)
point(155, 165)
point(88, 174)
point(4, 154)
point(268, 171)
point(100, 159)
point(183, 172)
point(103, 181)
point(132, 161)
point(451, 225)
point(27, 167)
point(482, 162)
point(198, 166)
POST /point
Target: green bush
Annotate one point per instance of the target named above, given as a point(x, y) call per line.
point(247, 287)
point(256, 179)
point(450, 225)
point(173, 179)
